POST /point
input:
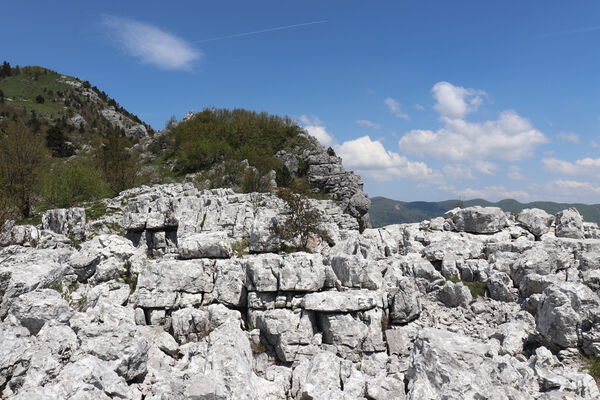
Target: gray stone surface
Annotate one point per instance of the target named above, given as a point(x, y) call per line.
point(569, 224)
point(359, 318)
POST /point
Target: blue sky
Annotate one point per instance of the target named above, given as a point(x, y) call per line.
point(426, 100)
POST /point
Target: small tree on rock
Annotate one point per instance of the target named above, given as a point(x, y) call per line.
point(303, 221)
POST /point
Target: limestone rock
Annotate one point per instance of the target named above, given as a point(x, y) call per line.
point(34, 309)
point(535, 221)
point(478, 219)
point(563, 310)
point(331, 301)
point(205, 245)
point(569, 224)
point(455, 295)
point(68, 222)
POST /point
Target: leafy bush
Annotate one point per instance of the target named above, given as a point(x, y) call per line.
point(58, 143)
point(213, 135)
point(22, 161)
point(39, 99)
point(283, 176)
point(593, 366)
point(330, 151)
point(118, 164)
point(72, 183)
point(303, 220)
point(302, 168)
point(254, 182)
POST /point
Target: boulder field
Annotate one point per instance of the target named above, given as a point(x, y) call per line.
point(176, 293)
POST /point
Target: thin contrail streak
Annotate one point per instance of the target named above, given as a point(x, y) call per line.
point(278, 28)
point(589, 28)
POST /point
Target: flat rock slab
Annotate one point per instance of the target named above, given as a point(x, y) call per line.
point(354, 300)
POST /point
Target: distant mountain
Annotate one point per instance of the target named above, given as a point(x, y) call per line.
point(386, 211)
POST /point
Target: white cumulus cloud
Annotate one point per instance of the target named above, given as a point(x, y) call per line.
point(395, 108)
point(585, 166)
point(151, 45)
point(455, 101)
point(315, 127)
point(372, 160)
point(510, 138)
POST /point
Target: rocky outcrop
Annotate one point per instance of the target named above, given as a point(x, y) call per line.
point(180, 293)
point(325, 172)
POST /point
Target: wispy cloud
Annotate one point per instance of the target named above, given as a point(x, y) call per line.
point(368, 124)
point(151, 45)
point(568, 137)
point(395, 108)
point(572, 31)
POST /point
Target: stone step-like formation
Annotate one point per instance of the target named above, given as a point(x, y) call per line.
point(178, 293)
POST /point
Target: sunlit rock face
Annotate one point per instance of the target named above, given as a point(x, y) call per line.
point(185, 294)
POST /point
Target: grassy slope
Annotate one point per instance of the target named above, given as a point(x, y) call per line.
point(23, 89)
point(386, 211)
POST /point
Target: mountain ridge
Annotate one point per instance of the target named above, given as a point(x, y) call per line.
point(385, 211)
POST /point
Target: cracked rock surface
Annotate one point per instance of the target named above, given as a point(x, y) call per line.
point(177, 293)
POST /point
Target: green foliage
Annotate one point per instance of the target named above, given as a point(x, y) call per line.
point(283, 176)
point(75, 242)
point(39, 99)
point(257, 348)
point(593, 367)
point(302, 168)
point(118, 164)
point(213, 135)
point(330, 151)
point(22, 161)
point(361, 225)
point(58, 143)
point(477, 289)
point(67, 293)
point(95, 210)
point(71, 183)
point(128, 276)
point(35, 219)
point(239, 248)
point(254, 182)
point(302, 222)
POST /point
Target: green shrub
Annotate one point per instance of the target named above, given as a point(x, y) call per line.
point(593, 367)
point(330, 151)
point(302, 168)
point(283, 176)
point(127, 276)
point(477, 289)
point(58, 143)
point(239, 248)
point(302, 222)
point(238, 134)
point(118, 164)
point(254, 182)
point(71, 183)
